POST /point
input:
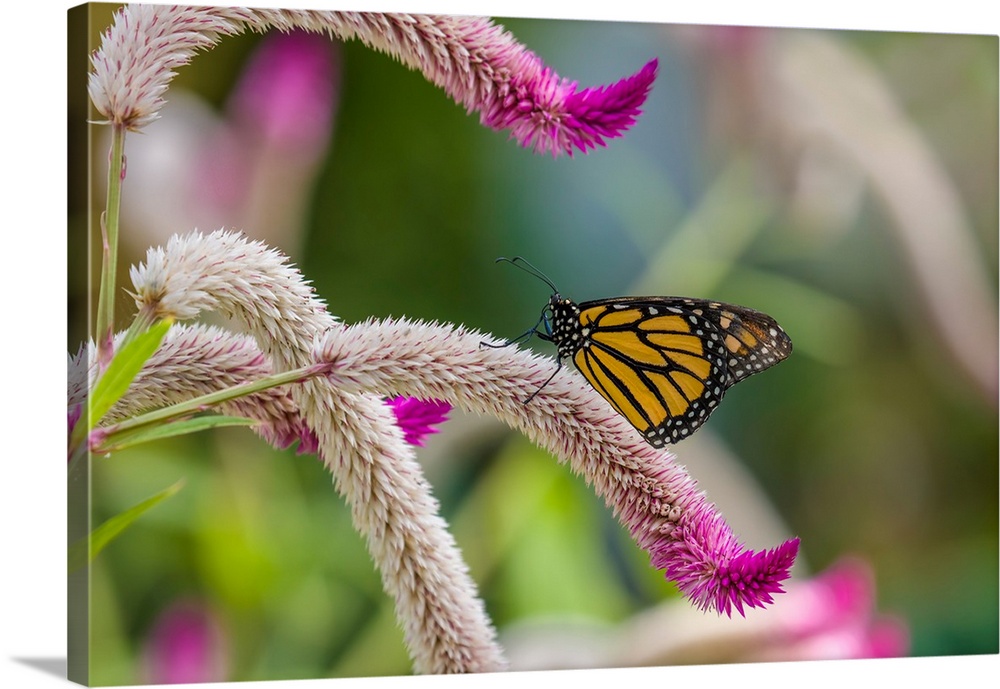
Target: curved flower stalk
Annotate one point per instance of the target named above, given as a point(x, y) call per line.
point(653, 496)
point(444, 623)
point(482, 67)
point(195, 360)
point(478, 63)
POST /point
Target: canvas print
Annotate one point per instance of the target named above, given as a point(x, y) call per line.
point(423, 344)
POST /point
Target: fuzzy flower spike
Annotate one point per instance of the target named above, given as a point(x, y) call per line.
point(478, 63)
point(357, 435)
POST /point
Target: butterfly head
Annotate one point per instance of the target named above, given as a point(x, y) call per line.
point(559, 322)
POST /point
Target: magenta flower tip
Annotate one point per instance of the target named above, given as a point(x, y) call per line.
point(605, 112)
point(418, 418)
point(751, 578)
point(719, 582)
point(548, 114)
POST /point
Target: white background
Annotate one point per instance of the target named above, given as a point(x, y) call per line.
point(33, 586)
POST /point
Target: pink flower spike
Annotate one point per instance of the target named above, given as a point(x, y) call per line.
point(486, 70)
point(712, 569)
point(478, 63)
point(848, 588)
point(417, 418)
point(549, 115)
point(607, 111)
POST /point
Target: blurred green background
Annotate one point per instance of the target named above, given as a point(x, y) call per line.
point(844, 182)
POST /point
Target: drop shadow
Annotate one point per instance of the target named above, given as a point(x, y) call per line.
point(56, 667)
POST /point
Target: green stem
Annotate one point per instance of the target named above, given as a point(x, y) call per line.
point(109, 239)
point(142, 322)
point(199, 404)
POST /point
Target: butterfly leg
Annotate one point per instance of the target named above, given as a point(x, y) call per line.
point(523, 337)
point(520, 338)
point(547, 381)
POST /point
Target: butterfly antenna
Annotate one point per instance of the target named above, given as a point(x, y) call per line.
point(523, 264)
point(520, 262)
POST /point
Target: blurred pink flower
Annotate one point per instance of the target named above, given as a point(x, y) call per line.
point(255, 169)
point(417, 418)
point(254, 165)
point(286, 94)
point(186, 645)
point(833, 616)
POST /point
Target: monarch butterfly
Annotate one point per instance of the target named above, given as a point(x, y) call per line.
point(664, 363)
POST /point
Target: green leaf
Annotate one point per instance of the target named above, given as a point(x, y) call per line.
point(119, 441)
point(123, 369)
point(79, 553)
